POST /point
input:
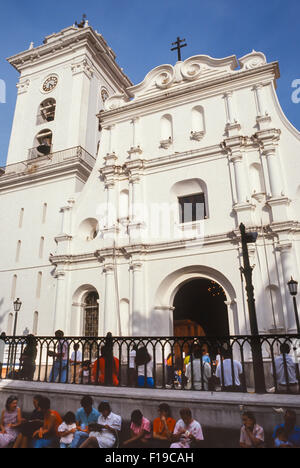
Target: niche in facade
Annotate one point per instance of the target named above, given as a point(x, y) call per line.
point(88, 229)
point(198, 123)
point(166, 131)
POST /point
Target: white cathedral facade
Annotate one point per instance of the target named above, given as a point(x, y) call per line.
point(121, 203)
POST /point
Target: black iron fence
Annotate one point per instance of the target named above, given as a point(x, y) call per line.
point(186, 363)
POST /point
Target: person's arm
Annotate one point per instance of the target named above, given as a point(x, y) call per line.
point(169, 433)
point(134, 437)
point(2, 423)
point(19, 420)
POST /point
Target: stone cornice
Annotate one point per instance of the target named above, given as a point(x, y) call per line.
point(123, 109)
point(70, 39)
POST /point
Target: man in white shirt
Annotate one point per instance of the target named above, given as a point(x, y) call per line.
point(105, 433)
point(229, 372)
point(198, 372)
point(285, 371)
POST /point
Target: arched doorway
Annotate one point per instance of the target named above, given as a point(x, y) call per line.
point(200, 309)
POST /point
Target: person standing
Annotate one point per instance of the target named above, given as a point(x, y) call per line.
point(229, 371)
point(198, 372)
point(145, 368)
point(60, 364)
point(28, 358)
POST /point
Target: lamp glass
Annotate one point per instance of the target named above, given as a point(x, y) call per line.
point(17, 305)
point(293, 287)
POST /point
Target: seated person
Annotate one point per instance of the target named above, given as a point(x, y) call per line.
point(291, 431)
point(27, 428)
point(140, 431)
point(252, 435)
point(84, 416)
point(11, 419)
point(163, 427)
point(187, 431)
point(104, 434)
point(47, 436)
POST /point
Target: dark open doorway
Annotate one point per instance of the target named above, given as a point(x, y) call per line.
point(200, 309)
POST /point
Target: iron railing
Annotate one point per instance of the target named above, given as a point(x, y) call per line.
point(175, 361)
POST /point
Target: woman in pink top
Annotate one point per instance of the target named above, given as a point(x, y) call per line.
point(140, 431)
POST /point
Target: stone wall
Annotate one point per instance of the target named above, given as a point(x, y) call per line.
point(219, 413)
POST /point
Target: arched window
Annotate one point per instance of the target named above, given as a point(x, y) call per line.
point(21, 217)
point(42, 144)
point(41, 248)
point(35, 323)
point(44, 213)
point(13, 287)
point(91, 314)
point(18, 251)
point(39, 284)
point(46, 112)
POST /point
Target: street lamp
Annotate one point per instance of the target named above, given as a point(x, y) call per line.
point(293, 288)
point(258, 365)
point(17, 307)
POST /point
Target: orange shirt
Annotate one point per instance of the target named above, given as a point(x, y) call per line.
point(99, 368)
point(159, 427)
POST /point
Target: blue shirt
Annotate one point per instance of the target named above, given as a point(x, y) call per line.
point(294, 437)
point(84, 419)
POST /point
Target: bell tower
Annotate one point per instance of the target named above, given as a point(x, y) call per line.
point(62, 87)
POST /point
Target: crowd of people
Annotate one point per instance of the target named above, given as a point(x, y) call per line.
point(91, 427)
point(197, 369)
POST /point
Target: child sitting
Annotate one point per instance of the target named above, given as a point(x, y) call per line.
point(281, 440)
point(67, 430)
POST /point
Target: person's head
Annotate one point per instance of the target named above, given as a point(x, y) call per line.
point(137, 417)
point(31, 340)
point(36, 401)
point(186, 416)
point(59, 334)
point(11, 403)
point(87, 403)
point(104, 408)
point(248, 419)
point(198, 353)
point(86, 364)
point(76, 347)
point(69, 418)
point(290, 418)
point(164, 410)
point(285, 348)
point(3, 336)
point(142, 356)
point(45, 404)
point(227, 354)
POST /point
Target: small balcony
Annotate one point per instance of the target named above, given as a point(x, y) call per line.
point(44, 160)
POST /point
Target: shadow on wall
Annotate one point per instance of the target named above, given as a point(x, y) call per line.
point(3, 314)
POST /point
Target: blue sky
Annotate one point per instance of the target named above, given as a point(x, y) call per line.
point(140, 32)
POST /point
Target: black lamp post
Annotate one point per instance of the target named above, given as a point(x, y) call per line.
point(17, 307)
point(293, 288)
point(258, 365)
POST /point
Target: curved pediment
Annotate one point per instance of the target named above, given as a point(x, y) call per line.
point(199, 68)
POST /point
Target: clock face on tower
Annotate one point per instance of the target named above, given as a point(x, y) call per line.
point(50, 83)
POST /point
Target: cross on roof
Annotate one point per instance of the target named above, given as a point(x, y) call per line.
point(178, 47)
